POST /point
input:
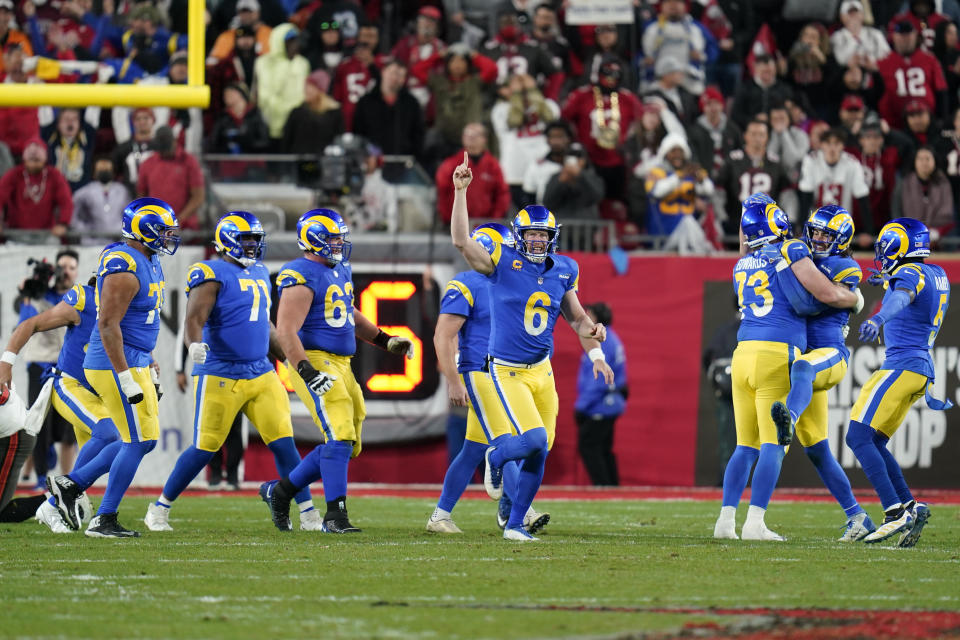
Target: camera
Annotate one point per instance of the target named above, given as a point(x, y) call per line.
point(341, 167)
point(37, 285)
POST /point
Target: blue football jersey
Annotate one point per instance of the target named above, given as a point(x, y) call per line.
point(238, 328)
point(765, 312)
point(826, 328)
point(525, 303)
point(140, 325)
point(909, 335)
point(329, 325)
point(468, 295)
point(82, 298)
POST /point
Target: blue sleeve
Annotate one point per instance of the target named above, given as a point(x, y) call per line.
point(199, 273)
point(573, 283)
point(289, 277)
point(893, 303)
point(37, 40)
point(457, 299)
point(802, 301)
point(27, 310)
point(908, 277)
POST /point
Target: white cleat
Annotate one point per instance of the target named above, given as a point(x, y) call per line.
point(86, 508)
point(311, 520)
point(534, 521)
point(858, 527)
point(157, 518)
point(48, 515)
point(444, 525)
point(725, 529)
point(518, 534)
point(759, 531)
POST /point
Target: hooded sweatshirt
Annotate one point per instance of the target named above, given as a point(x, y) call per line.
point(672, 194)
point(279, 81)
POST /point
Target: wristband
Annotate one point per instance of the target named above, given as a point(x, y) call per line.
point(125, 377)
point(596, 354)
point(9, 357)
point(306, 370)
point(381, 340)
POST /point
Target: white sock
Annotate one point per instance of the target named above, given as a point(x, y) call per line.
point(306, 505)
point(755, 513)
point(440, 514)
point(728, 513)
point(164, 501)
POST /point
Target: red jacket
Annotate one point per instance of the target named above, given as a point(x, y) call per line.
point(580, 110)
point(35, 201)
point(488, 195)
point(916, 77)
point(17, 125)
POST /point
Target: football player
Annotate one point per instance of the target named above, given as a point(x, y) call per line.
point(71, 395)
point(529, 287)
point(827, 233)
point(916, 299)
point(317, 328)
point(461, 337)
point(118, 363)
point(770, 338)
point(229, 335)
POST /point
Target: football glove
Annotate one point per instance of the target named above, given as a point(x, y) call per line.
point(129, 386)
point(870, 329)
point(198, 352)
point(155, 379)
point(318, 382)
point(876, 278)
point(400, 346)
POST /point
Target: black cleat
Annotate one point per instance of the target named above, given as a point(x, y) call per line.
point(66, 495)
point(279, 507)
point(784, 423)
point(337, 522)
point(106, 526)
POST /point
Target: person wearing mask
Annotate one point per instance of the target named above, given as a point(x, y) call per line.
point(98, 205)
point(173, 176)
point(34, 195)
point(512, 49)
point(325, 48)
point(278, 79)
point(599, 405)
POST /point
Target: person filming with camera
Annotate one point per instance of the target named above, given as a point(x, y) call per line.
point(39, 292)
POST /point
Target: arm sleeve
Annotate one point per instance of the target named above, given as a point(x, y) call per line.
point(893, 303)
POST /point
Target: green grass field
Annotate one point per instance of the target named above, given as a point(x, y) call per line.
point(602, 569)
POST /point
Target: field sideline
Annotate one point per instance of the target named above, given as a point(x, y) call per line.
point(622, 563)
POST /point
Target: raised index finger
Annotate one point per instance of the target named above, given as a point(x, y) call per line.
point(465, 158)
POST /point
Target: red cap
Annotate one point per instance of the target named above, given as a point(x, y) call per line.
point(430, 12)
point(852, 103)
point(710, 94)
point(916, 106)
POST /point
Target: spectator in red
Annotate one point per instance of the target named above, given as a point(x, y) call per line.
point(757, 94)
point(852, 114)
point(492, 196)
point(34, 195)
point(423, 45)
point(879, 162)
point(174, 176)
point(910, 74)
point(921, 127)
point(924, 17)
point(606, 43)
point(17, 124)
point(236, 67)
point(358, 74)
point(713, 135)
point(389, 116)
point(603, 115)
point(515, 52)
point(925, 195)
point(315, 123)
point(10, 36)
point(248, 19)
point(68, 37)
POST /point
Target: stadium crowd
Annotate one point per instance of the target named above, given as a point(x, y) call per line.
point(663, 126)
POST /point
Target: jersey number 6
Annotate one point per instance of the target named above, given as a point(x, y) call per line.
point(535, 315)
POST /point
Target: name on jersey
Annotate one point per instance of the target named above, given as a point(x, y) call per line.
point(752, 262)
point(565, 276)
